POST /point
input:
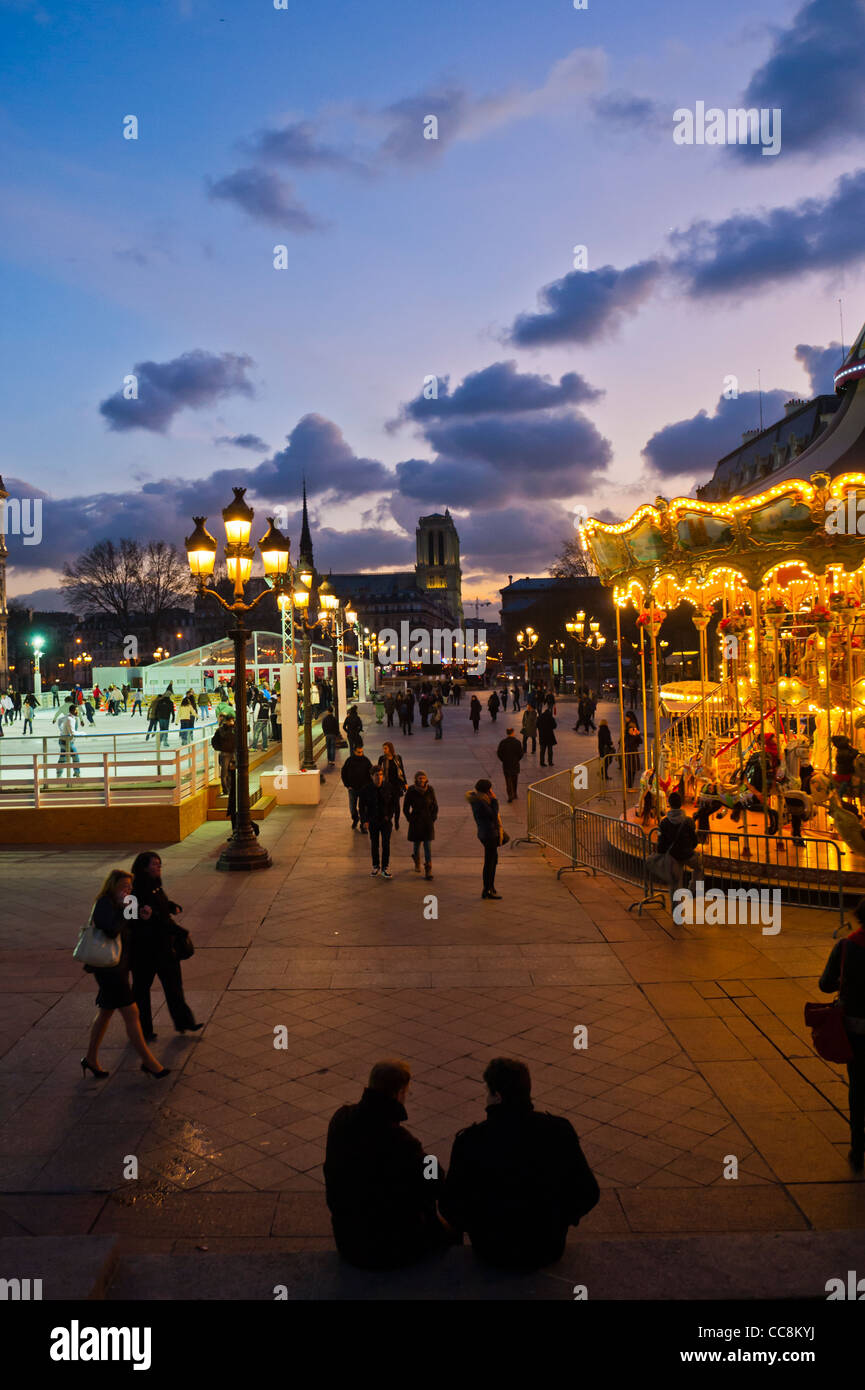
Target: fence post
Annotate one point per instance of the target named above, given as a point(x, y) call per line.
point(106, 778)
point(37, 789)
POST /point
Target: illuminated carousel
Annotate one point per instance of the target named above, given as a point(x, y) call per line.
point(768, 746)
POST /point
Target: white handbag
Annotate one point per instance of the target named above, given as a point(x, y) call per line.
point(95, 949)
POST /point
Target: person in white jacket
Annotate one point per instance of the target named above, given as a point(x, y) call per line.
point(67, 728)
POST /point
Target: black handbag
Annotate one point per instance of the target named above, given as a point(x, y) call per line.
point(181, 942)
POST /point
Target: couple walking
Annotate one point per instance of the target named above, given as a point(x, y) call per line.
point(377, 794)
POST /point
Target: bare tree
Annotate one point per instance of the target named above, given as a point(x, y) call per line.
point(134, 585)
point(572, 562)
point(106, 580)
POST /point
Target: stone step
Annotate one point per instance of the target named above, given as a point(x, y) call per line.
point(70, 1267)
point(786, 1265)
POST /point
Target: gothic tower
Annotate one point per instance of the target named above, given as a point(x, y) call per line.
point(438, 561)
point(4, 616)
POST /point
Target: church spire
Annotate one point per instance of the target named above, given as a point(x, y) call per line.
point(305, 537)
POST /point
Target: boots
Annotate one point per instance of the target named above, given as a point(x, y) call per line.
point(428, 870)
point(415, 859)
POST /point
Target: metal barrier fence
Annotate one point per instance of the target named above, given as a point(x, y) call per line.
point(596, 779)
point(107, 779)
point(808, 875)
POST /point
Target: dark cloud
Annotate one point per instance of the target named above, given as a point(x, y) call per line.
point(752, 250)
point(193, 380)
point(243, 441)
point(621, 111)
point(693, 447)
point(265, 197)
point(821, 364)
point(585, 305)
point(367, 549)
point(495, 460)
point(405, 140)
point(299, 146)
point(527, 538)
point(498, 389)
point(317, 451)
point(814, 75)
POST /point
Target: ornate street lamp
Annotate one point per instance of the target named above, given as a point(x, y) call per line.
point(576, 630)
point(526, 640)
point(241, 850)
point(335, 621)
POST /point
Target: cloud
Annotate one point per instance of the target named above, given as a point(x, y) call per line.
point(814, 74)
point(317, 451)
point(498, 389)
point(620, 111)
point(265, 197)
point(692, 447)
point(243, 441)
point(821, 364)
point(193, 380)
point(495, 460)
point(299, 146)
point(523, 538)
point(756, 249)
point(585, 305)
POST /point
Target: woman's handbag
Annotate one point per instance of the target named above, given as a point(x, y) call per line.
point(826, 1022)
point(97, 950)
point(181, 942)
point(504, 837)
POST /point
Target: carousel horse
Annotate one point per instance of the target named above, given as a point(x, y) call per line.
point(798, 807)
point(847, 824)
point(653, 792)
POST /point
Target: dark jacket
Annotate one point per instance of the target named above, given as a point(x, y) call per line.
point(224, 739)
point(164, 708)
point(380, 1203)
point(475, 710)
point(605, 740)
point(377, 804)
point(330, 725)
point(516, 1182)
point(108, 917)
point(420, 809)
point(546, 725)
point(633, 738)
point(394, 772)
point(494, 702)
point(356, 771)
point(352, 723)
point(486, 814)
point(677, 834)
point(154, 934)
point(853, 984)
point(509, 753)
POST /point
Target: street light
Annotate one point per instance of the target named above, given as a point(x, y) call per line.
point(335, 622)
point(526, 641)
point(241, 850)
point(37, 643)
point(576, 630)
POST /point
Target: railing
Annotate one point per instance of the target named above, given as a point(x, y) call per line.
point(595, 780)
point(120, 778)
point(808, 875)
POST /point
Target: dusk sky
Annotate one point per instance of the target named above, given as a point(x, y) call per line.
point(409, 258)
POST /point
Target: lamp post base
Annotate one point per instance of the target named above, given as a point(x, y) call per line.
point(244, 854)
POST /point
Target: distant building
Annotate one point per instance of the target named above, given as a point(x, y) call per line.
point(763, 454)
point(438, 561)
point(4, 620)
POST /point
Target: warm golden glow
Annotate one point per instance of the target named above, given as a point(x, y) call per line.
point(237, 517)
point(200, 550)
point(275, 550)
point(238, 567)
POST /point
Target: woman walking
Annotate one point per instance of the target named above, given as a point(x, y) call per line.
point(845, 972)
point(115, 991)
point(421, 809)
point(406, 713)
point(605, 747)
point(493, 706)
point(391, 765)
point(153, 948)
point(188, 713)
point(437, 718)
point(475, 712)
point(353, 727)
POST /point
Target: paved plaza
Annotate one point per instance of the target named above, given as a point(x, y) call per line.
point(696, 1052)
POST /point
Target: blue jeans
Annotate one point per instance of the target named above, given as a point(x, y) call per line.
point(438, 729)
point(427, 850)
point(330, 745)
point(353, 794)
point(68, 753)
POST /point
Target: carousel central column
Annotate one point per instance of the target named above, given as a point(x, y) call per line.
point(758, 655)
point(621, 713)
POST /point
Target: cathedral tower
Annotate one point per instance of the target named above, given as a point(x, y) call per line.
point(438, 561)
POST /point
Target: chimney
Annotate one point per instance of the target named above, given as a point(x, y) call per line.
point(510, 579)
point(748, 435)
point(794, 404)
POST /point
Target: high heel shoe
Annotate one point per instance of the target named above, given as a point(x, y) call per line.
point(158, 1075)
point(193, 1028)
point(88, 1066)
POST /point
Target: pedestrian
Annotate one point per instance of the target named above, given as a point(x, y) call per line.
point(8, 706)
point(485, 809)
point(188, 713)
point(67, 727)
point(519, 1178)
point(353, 727)
point(493, 706)
point(423, 706)
point(391, 765)
point(55, 695)
point(584, 710)
point(136, 703)
point(155, 947)
point(115, 990)
point(504, 698)
point(376, 804)
point(124, 694)
point(475, 712)
point(677, 840)
point(260, 710)
point(437, 718)
point(421, 809)
point(356, 772)
point(546, 737)
point(605, 747)
point(164, 711)
point(87, 707)
point(381, 1199)
point(509, 753)
point(330, 729)
point(529, 727)
point(389, 708)
point(632, 741)
point(516, 697)
point(406, 713)
point(224, 742)
point(16, 704)
point(31, 704)
point(845, 972)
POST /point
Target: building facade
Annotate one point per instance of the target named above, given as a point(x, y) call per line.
point(438, 570)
